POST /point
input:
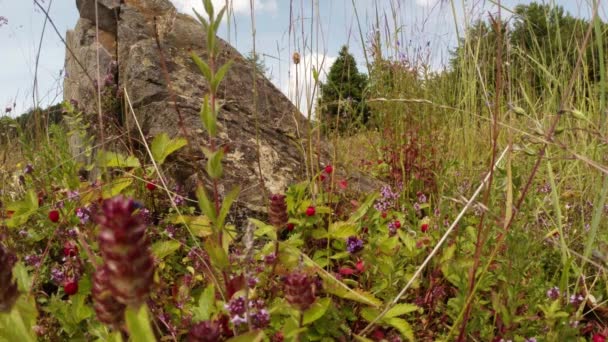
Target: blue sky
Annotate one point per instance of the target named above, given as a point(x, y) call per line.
point(317, 34)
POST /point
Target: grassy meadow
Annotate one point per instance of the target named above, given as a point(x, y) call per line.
point(489, 222)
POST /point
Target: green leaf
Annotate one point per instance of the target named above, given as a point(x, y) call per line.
point(263, 229)
point(217, 254)
point(162, 147)
point(203, 21)
point(138, 324)
point(316, 311)
point(116, 187)
point(363, 208)
point(252, 336)
point(115, 159)
point(162, 249)
point(202, 66)
point(18, 323)
point(219, 76)
point(218, 19)
point(208, 118)
point(342, 230)
point(214, 164)
point(22, 210)
point(335, 287)
point(208, 7)
point(205, 204)
point(211, 42)
point(401, 309)
point(402, 325)
point(206, 305)
point(226, 205)
point(23, 278)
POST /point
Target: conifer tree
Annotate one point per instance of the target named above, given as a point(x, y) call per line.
point(341, 103)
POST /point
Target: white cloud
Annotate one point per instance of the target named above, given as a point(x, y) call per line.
point(238, 6)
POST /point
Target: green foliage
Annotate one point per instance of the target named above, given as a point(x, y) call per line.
point(138, 324)
point(341, 102)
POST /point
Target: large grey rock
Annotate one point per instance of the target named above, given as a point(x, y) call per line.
point(131, 43)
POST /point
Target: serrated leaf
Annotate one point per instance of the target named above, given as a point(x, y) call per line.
point(18, 323)
point(22, 210)
point(363, 208)
point(23, 278)
point(342, 230)
point(263, 229)
point(206, 304)
point(333, 286)
point(252, 336)
point(402, 325)
point(116, 187)
point(163, 249)
point(138, 324)
point(316, 311)
point(162, 147)
point(401, 309)
point(115, 159)
point(369, 314)
point(226, 205)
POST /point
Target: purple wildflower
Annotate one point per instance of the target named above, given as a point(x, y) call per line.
point(270, 258)
point(252, 282)
point(28, 169)
point(553, 293)
point(73, 195)
point(33, 260)
point(422, 198)
point(576, 299)
point(236, 306)
point(530, 339)
point(388, 199)
point(171, 230)
point(354, 244)
point(260, 319)
point(83, 214)
point(57, 275)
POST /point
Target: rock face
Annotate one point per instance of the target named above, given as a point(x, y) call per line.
point(130, 59)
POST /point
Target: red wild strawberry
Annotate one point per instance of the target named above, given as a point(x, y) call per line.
point(150, 186)
point(383, 214)
point(346, 271)
point(322, 177)
point(397, 224)
point(598, 338)
point(70, 287)
point(378, 334)
point(343, 184)
point(54, 215)
point(290, 226)
point(424, 227)
point(329, 169)
point(310, 211)
point(360, 266)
